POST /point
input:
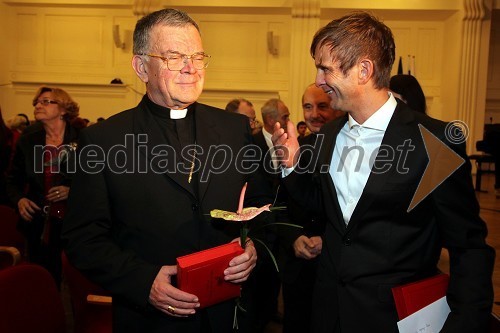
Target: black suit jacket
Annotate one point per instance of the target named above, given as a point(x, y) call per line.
point(132, 211)
point(384, 245)
point(25, 177)
point(312, 223)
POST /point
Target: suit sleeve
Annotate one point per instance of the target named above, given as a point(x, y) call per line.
point(87, 233)
point(470, 291)
point(16, 177)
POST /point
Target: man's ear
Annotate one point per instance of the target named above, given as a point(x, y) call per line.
point(365, 70)
point(140, 68)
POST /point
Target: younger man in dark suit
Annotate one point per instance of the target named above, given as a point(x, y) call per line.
point(368, 171)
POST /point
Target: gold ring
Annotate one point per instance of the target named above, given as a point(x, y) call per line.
point(171, 309)
point(57, 192)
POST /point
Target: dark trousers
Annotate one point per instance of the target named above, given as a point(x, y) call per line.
point(297, 298)
point(46, 255)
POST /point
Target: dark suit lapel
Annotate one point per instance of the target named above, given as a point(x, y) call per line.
point(208, 138)
point(161, 155)
point(324, 162)
point(394, 136)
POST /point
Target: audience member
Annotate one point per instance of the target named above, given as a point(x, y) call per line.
point(273, 111)
point(300, 247)
point(38, 182)
point(374, 239)
point(124, 230)
point(244, 107)
point(17, 125)
point(406, 88)
point(301, 129)
point(264, 285)
point(317, 108)
point(258, 127)
point(26, 119)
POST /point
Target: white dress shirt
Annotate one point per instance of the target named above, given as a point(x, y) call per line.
point(355, 150)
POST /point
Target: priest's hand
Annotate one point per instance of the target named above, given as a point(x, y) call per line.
point(240, 267)
point(168, 299)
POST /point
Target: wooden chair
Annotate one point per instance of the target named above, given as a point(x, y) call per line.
point(495, 323)
point(9, 256)
point(91, 304)
point(30, 301)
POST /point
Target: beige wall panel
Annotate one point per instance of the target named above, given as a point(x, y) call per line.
point(28, 39)
point(428, 55)
point(392, 4)
point(234, 50)
point(122, 57)
point(281, 41)
point(240, 58)
point(403, 41)
point(74, 41)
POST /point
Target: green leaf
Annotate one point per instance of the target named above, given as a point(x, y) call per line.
point(270, 253)
point(277, 223)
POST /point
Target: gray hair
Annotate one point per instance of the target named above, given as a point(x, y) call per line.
point(270, 108)
point(169, 17)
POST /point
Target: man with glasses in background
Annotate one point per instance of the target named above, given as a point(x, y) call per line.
point(244, 107)
point(147, 200)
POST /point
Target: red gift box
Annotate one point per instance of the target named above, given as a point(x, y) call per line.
point(414, 296)
point(202, 274)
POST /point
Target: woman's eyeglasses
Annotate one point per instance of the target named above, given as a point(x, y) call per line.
point(44, 102)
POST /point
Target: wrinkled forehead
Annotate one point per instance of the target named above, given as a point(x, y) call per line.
point(185, 39)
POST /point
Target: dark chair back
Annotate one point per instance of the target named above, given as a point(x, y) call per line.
point(9, 235)
point(30, 301)
point(88, 316)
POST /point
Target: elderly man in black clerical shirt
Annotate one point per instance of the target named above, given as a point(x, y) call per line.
point(147, 180)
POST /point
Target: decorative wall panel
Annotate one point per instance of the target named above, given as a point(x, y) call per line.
point(238, 51)
point(28, 39)
point(74, 40)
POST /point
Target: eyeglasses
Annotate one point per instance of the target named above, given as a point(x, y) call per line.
point(44, 102)
point(176, 61)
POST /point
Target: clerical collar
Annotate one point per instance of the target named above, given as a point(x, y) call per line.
point(163, 112)
point(178, 114)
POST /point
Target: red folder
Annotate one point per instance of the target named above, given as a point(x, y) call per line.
point(202, 274)
point(414, 296)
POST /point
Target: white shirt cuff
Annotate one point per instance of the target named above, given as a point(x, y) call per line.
point(286, 171)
